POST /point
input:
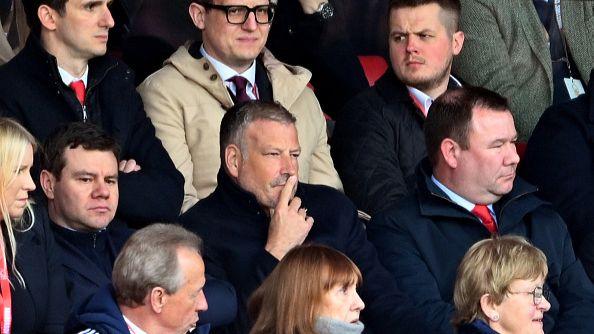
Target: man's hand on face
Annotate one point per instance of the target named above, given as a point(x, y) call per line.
point(289, 224)
point(127, 166)
point(311, 6)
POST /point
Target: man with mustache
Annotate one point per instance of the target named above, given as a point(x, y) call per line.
point(259, 211)
point(468, 191)
point(378, 138)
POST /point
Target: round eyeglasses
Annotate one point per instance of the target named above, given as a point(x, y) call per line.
point(537, 294)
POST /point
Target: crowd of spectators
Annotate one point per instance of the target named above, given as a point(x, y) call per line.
point(229, 166)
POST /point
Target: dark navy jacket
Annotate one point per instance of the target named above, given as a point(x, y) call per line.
point(41, 306)
point(234, 228)
point(88, 260)
point(476, 327)
point(88, 257)
point(101, 313)
point(377, 144)
point(423, 240)
point(32, 92)
point(560, 161)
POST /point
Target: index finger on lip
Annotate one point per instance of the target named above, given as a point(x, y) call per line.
point(287, 192)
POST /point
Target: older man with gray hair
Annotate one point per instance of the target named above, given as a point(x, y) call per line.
point(158, 281)
point(259, 211)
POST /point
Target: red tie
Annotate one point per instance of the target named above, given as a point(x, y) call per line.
point(240, 88)
point(79, 89)
point(482, 212)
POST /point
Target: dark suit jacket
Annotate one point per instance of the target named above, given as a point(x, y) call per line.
point(33, 93)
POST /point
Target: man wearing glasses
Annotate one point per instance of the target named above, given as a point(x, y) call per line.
point(187, 98)
point(468, 191)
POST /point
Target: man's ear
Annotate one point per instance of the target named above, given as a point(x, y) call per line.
point(232, 160)
point(158, 299)
point(450, 151)
point(457, 42)
point(197, 13)
point(47, 17)
point(48, 182)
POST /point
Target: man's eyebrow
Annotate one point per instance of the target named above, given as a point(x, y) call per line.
point(83, 173)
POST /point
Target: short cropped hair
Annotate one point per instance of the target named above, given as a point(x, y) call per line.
point(149, 259)
point(450, 116)
point(70, 136)
point(489, 267)
point(240, 116)
point(31, 7)
point(289, 299)
point(451, 10)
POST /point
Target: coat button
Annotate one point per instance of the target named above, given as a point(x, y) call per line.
point(205, 66)
point(213, 77)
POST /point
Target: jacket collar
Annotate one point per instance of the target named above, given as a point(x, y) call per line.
point(241, 202)
point(236, 199)
point(510, 209)
point(394, 91)
point(38, 62)
point(75, 259)
point(288, 82)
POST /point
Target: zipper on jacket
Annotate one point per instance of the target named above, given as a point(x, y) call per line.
point(94, 240)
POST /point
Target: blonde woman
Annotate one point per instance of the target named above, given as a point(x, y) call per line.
point(500, 288)
point(311, 291)
point(31, 279)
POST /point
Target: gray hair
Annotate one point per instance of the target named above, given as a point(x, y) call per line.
point(240, 116)
point(149, 260)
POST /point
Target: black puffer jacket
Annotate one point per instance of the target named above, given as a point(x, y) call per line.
point(377, 143)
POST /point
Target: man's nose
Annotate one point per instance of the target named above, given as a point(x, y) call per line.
point(107, 19)
point(250, 23)
point(201, 303)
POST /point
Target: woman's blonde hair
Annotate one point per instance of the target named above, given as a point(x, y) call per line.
point(489, 267)
point(290, 298)
point(14, 139)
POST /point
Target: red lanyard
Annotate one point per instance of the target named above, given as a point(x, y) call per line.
point(5, 299)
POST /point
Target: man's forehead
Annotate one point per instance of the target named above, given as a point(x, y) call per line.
point(425, 16)
point(79, 155)
point(499, 122)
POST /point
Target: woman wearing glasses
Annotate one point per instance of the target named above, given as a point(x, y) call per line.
point(32, 298)
point(500, 288)
point(311, 291)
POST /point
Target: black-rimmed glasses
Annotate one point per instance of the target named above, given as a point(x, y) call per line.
point(537, 294)
point(238, 14)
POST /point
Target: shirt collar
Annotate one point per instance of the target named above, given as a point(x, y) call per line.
point(133, 328)
point(226, 72)
point(424, 99)
point(68, 78)
point(457, 198)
